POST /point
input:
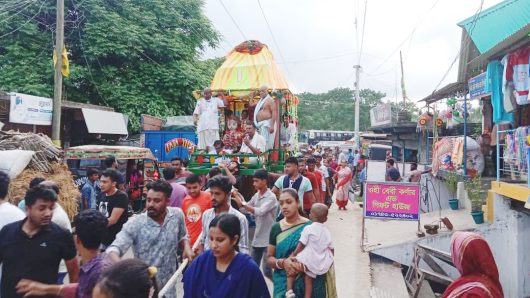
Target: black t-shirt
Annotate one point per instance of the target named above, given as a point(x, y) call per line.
point(105, 205)
point(36, 258)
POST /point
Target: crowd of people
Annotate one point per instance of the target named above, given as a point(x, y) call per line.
point(187, 216)
point(106, 252)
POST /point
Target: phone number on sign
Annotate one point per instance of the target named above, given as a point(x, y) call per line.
point(391, 215)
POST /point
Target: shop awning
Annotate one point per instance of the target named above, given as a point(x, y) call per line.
point(497, 23)
point(104, 122)
point(447, 91)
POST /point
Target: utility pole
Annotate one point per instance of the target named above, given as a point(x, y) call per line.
point(357, 100)
point(58, 81)
point(404, 93)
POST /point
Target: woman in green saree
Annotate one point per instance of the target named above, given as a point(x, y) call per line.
point(284, 238)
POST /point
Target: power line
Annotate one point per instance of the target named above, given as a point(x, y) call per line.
point(362, 35)
point(233, 20)
point(196, 32)
point(408, 36)
point(25, 23)
point(19, 12)
point(273, 37)
point(464, 47)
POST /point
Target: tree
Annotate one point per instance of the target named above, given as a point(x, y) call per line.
point(408, 106)
point(139, 57)
point(334, 110)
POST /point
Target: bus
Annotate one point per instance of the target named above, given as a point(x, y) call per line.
point(315, 136)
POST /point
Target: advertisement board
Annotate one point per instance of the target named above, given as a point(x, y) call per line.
point(390, 200)
point(477, 86)
point(381, 114)
point(29, 109)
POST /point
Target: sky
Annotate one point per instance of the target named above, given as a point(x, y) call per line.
point(316, 44)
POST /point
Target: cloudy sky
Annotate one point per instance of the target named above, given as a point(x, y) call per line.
point(317, 44)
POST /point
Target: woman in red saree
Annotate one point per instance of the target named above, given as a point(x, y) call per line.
point(342, 189)
point(479, 275)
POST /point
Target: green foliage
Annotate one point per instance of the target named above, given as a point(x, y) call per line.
point(405, 106)
point(475, 193)
point(451, 182)
point(140, 57)
point(334, 110)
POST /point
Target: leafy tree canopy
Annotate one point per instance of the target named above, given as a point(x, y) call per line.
point(137, 56)
point(334, 110)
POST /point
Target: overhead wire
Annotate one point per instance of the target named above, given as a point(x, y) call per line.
point(408, 36)
point(196, 32)
point(362, 34)
point(21, 10)
point(233, 20)
point(273, 37)
point(463, 47)
point(25, 23)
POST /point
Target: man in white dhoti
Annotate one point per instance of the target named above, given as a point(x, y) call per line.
point(265, 116)
point(206, 117)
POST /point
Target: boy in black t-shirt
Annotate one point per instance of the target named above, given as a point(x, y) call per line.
point(112, 203)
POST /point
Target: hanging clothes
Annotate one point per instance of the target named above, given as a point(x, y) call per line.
point(494, 85)
point(517, 70)
point(508, 89)
point(487, 112)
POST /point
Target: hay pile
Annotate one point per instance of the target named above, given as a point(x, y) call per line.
point(68, 193)
point(45, 151)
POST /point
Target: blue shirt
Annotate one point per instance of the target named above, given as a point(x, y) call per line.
point(88, 194)
point(393, 173)
point(362, 176)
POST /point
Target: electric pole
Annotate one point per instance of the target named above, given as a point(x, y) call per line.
point(357, 100)
point(58, 80)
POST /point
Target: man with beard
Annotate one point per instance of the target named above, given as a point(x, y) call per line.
point(155, 235)
point(112, 203)
point(33, 247)
point(180, 173)
point(220, 189)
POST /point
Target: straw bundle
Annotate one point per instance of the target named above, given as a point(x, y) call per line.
point(45, 151)
point(68, 193)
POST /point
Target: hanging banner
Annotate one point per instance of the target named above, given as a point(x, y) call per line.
point(477, 86)
point(381, 114)
point(391, 200)
point(29, 109)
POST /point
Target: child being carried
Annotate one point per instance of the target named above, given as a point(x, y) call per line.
point(314, 252)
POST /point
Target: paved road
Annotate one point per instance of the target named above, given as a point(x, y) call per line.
point(352, 266)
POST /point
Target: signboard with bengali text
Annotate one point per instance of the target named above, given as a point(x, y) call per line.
point(28, 109)
point(392, 200)
point(477, 86)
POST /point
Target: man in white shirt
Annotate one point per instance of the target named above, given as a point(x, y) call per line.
point(253, 143)
point(206, 116)
point(263, 206)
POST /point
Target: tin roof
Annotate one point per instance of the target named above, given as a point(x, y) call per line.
point(497, 23)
